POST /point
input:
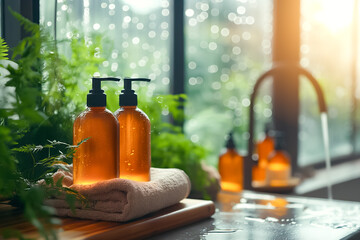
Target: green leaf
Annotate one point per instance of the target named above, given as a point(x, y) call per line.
point(3, 49)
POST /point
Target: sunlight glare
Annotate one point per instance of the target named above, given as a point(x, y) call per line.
point(335, 14)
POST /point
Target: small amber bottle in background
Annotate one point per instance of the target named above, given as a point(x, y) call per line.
point(264, 148)
point(96, 159)
point(135, 136)
point(231, 167)
point(278, 171)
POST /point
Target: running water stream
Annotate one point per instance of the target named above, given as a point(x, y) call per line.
point(325, 134)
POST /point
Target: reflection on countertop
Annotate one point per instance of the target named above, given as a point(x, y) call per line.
point(251, 215)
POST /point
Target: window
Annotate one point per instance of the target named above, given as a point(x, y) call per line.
point(327, 50)
point(228, 46)
point(135, 34)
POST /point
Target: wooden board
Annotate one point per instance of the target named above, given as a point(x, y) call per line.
point(186, 212)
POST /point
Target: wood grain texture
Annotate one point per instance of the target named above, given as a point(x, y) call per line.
point(186, 212)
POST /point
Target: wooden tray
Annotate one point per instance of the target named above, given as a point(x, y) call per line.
point(262, 187)
point(186, 212)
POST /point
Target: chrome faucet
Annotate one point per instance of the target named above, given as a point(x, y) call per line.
point(249, 161)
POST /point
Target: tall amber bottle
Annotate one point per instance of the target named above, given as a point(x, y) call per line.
point(278, 171)
point(264, 148)
point(231, 168)
point(96, 159)
point(135, 136)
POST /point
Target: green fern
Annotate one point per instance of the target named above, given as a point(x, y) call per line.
point(3, 50)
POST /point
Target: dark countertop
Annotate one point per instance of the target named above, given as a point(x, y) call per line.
point(246, 215)
point(252, 215)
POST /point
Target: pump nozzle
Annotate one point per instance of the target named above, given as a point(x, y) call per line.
point(128, 96)
point(96, 96)
point(279, 140)
point(230, 141)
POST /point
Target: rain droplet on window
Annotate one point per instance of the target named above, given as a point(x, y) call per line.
point(245, 102)
point(105, 63)
point(164, 25)
point(165, 12)
point(192, 22)
point(127, 19)
point(235, 38)
point(64, 7)
point(212, 46)
point(192, 81)
point(236, 50)
point(189, 12)
point(114, 67)
point(250, 20)
point(204, 7)
point(132, 65)
point(192, 65)
point(213, 68)
point(135, 40)
point(165, 80)
point(225, 32)
point(224, 77)
point(216, 85)
point(111, 26)
point(214, 29)
point(152, 34)
point(231, 16)
point(96, 26)
point(241, 10)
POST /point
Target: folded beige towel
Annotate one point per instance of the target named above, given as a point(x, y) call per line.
point(121, 200)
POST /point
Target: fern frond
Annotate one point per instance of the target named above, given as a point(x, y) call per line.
point(28, 25)
point(4, 48)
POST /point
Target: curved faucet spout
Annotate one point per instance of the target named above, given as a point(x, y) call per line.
point(275, 70)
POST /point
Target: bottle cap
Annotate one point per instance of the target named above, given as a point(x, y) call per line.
point(127, 96)
point(96, 96)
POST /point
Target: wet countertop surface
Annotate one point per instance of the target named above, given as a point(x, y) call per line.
point(252, 215)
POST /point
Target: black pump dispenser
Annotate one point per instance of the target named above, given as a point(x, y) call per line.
point(279, 141)
point(230, 144)
point(96, 96)
point(127, 96)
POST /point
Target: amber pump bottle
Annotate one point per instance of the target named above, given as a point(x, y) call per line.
point(231, 168)
point(135, 135)
point(96, 159)
point(264, 148)
point(279, 167)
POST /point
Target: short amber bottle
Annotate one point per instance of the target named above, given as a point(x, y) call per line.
point(135, 136)
point(96, 159)
point(231, 168)
point(278, 171)
point(264, 148)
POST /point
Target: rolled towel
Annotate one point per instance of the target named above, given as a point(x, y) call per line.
point(122, 200)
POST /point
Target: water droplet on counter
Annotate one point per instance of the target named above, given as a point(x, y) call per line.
point(255, 219)
point(271, 219)
point(243, 200)
point(223, 231)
